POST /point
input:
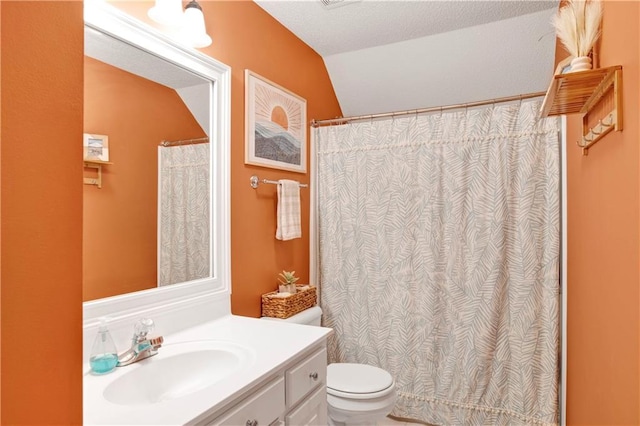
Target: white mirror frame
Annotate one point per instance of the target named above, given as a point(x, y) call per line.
point(215, 289)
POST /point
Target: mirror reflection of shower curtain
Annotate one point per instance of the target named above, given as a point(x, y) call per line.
point(439, 249)
point(183, 213)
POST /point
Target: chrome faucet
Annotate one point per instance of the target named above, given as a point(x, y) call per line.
point(142, 346)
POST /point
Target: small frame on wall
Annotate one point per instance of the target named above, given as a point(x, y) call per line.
point(275, 125)
point(96, 147)
point(564, 66)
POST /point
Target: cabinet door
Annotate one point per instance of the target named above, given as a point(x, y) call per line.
point(311, 412)
point(263, 408)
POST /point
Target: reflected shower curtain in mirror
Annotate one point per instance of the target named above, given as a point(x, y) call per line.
point(439, 249)
point(183, 213)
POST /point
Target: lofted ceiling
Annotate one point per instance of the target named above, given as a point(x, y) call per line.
point(394, 55)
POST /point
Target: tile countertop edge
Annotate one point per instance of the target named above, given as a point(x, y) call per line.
point(275, 343)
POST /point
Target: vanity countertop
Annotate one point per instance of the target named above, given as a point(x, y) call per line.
point(273, 343)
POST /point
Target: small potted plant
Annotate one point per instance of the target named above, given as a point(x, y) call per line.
point(287, 282)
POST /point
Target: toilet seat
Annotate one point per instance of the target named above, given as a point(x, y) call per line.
point(358, 381)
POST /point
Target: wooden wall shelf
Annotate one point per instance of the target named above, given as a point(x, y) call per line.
point(95, 164)
point(580, 92)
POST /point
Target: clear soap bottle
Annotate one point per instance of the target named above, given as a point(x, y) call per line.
point(104, 355)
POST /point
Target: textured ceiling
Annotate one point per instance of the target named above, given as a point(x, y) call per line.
point(368, 23)
point(395, 55)
point(498, 59)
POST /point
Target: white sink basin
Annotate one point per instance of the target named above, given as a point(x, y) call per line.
point(178, 370)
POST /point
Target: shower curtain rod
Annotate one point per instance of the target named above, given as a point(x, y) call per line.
point(346, 120)
point(184, 142)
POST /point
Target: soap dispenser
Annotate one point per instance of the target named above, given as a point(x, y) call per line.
point(104, 355)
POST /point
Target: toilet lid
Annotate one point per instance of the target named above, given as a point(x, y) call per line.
point(357, 378)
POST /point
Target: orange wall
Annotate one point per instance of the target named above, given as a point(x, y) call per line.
point(246, 37)
point(603, 248)
point(0, 214)
point(120, 219)
point(41, 202)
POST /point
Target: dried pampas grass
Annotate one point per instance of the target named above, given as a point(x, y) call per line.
point(578, 25)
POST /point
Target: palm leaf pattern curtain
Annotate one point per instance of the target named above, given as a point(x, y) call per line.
point(183, 204)
point(439, 250)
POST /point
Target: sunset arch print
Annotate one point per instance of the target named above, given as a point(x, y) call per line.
point(275, 125)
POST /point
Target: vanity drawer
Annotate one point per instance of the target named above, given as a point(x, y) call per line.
point(312, 411)
point(262, 408)
point(305, 376)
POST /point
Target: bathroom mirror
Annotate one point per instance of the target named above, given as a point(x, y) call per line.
point(150, 215)
point(142, 88)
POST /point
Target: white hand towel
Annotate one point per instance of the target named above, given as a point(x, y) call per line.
point(288, 210)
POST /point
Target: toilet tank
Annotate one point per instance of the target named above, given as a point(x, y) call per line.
point(309, 316)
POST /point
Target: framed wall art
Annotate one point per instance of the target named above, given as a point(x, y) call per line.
point(564, 66)
point(275, 125)
point(96, 147)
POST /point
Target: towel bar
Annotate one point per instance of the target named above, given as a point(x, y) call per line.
point(255, 181)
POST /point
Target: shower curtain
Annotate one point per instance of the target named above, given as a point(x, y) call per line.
point(183, 213)
point(439, 249)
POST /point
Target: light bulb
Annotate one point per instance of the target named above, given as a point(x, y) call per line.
point(167, 12)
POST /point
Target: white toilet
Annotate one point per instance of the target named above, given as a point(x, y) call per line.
point(357, 394)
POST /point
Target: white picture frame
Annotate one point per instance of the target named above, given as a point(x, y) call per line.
point(95, 147)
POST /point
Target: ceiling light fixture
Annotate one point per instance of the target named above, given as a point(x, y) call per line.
point(194, 26)
point(189, 24)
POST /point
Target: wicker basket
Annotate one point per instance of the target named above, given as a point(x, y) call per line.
point(284, 307)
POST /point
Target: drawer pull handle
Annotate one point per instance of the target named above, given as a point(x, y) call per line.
point(314, 376)
point(253, 422)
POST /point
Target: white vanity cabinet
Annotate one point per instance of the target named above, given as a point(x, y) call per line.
point(295, 396)
point(281, 379)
